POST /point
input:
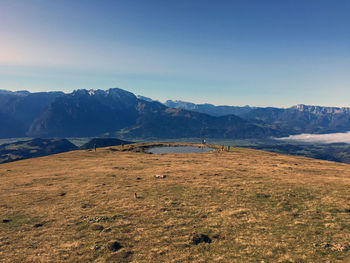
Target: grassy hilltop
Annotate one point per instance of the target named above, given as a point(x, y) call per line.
point(239, 206)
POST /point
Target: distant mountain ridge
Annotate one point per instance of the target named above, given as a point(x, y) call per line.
point(17, 93)
point(221, 110)
point(322, 110)
point(297, 119)
point(209, 108)
point(116, 112)
point(303, 119)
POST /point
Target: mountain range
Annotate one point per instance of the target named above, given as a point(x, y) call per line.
point(116, 112)
point(294, 120)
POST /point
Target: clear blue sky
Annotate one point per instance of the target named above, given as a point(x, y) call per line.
point(262, 53)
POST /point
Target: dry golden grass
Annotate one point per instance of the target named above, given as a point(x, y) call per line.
point(254, 206)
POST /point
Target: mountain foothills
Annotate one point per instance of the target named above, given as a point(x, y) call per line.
point(116, 112)
point(41, 147)
point(34, 148)
point(103, 142)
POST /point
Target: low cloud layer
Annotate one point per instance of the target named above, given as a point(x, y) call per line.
point(320, 138)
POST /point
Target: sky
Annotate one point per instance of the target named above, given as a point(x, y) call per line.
point(250, 52)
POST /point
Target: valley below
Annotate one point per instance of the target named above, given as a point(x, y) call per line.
point(331, 147)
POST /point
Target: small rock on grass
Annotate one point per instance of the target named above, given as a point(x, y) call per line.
point(6, 220)
point(96, 247)
point(196, 238)
point(107, 230)
point(97, 227)
point(113, 245)
point(38, 225)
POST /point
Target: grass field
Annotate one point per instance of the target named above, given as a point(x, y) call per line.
point(239, 206)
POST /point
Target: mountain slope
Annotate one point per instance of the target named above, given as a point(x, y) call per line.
point(303, 119)
point(86, 113)
point(10, 127)
point(19, 109)
point(157, 121)
point(118, 112)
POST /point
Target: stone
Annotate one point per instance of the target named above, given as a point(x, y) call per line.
point(196, 238)
point(113, 245)
point(97, 227)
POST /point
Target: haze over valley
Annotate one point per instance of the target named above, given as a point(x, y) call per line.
point(340, 137)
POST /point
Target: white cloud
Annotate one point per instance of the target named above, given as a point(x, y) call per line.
point(320, 138)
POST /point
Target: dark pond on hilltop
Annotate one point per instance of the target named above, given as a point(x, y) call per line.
point(178, 149)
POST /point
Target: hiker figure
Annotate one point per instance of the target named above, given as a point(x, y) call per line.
point(122, 146)
point(228, 148)
point(222, 147)
point(95, 147)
